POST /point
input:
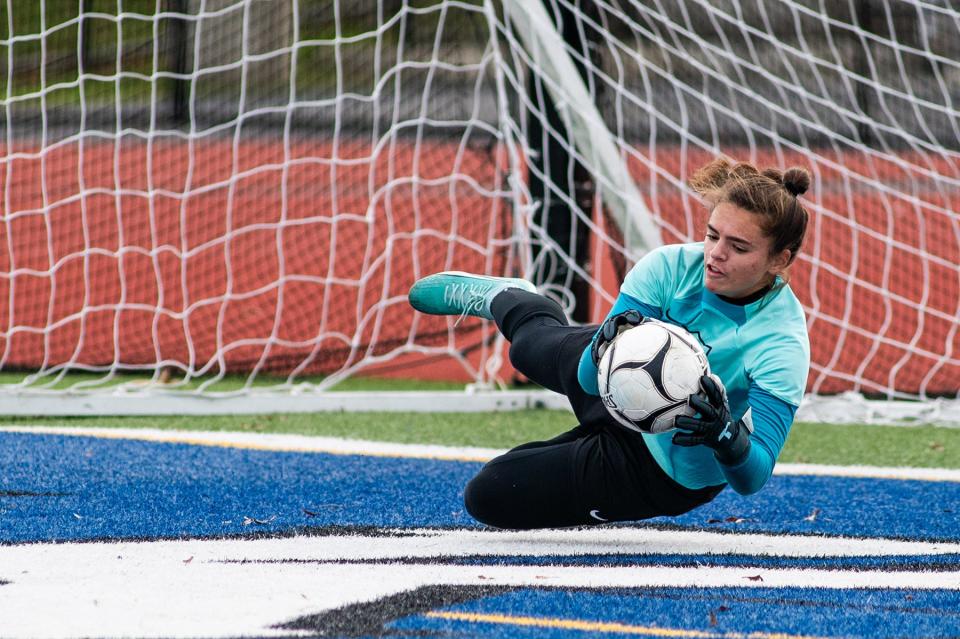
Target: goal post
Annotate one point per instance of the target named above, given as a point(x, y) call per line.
point(211, 200)
point(592, 142)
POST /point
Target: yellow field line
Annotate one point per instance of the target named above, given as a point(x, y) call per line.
point(278, 447)
point(283, 448)
point(606, 626)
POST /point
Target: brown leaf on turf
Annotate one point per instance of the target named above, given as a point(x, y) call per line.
point(735, 520)
point(309, 513)
point(754, 577)
point(713, 618)
point(188, 559)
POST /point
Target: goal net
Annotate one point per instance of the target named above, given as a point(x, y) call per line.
point(225, 197)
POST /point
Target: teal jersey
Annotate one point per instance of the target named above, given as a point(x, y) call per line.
point(759, 350)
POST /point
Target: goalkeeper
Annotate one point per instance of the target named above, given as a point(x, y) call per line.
point(730, 291)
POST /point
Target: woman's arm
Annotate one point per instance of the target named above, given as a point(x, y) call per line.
point(771, 419)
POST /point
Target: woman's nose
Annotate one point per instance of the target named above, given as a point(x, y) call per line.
point(718, 252)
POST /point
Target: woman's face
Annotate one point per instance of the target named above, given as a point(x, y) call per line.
point(736, 253)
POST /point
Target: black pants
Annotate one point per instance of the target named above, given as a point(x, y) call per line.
point(597, 472)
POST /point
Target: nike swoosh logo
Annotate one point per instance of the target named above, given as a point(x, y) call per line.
point(596, 515)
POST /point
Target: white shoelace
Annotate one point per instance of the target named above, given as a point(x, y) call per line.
point(468, 296)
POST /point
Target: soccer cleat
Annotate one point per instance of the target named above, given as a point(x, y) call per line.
point(459, 293)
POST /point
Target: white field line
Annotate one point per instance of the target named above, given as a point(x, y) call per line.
point(272, 442)
point(607, 541)
point(337, 446)
point(231, 588)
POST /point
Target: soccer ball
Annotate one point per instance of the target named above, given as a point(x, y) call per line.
point(647, 373)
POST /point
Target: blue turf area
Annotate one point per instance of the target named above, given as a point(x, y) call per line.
point(81, 488)
point(55, 487)
point(714, 612)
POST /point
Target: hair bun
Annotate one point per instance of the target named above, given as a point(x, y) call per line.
point(796, 180)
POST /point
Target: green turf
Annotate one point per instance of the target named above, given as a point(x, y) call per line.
point(227, 383)
point(496, 430)
point(872, 445)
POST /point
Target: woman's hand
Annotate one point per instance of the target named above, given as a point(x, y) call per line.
point(611, 327)
point(713, 426)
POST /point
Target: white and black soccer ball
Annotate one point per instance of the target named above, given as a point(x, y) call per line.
point(647, 373)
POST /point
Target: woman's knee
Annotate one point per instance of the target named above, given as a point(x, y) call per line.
point(479, 500)
point(490, 501)
point(527, 356)
point(524, 489)
point(513, 308)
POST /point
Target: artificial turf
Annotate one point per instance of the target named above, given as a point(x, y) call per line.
point(843, 444)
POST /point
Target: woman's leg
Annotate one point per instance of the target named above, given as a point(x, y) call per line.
point(597, 472)
point(584, 477)
point(546, 349)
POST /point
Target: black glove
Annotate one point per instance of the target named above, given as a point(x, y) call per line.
point(730, 440)
point(611, 327)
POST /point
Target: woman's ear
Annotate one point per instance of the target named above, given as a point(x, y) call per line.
point(780, 262)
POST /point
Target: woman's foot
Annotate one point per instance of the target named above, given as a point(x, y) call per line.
point(459, 293)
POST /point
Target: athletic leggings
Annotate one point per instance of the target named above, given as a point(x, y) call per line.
point(597, 472)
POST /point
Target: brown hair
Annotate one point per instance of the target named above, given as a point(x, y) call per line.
point(770, 193)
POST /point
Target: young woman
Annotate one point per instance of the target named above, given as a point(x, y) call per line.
point(730, 291)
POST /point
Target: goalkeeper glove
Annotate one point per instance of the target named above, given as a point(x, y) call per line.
point(714, 426)
point(611, 327)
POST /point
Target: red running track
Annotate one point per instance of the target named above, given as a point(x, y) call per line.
point(229, 258)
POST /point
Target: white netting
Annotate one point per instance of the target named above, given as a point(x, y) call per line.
point(198, 189)
point(864, 95)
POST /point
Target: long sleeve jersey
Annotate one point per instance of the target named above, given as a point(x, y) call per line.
point(760, 351)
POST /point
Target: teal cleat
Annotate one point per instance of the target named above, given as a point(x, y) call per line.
point(458, 293)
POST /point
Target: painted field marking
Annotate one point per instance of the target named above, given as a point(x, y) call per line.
point(337, 446)
point(604, 626)
point(252, 587)
point(272, 442)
